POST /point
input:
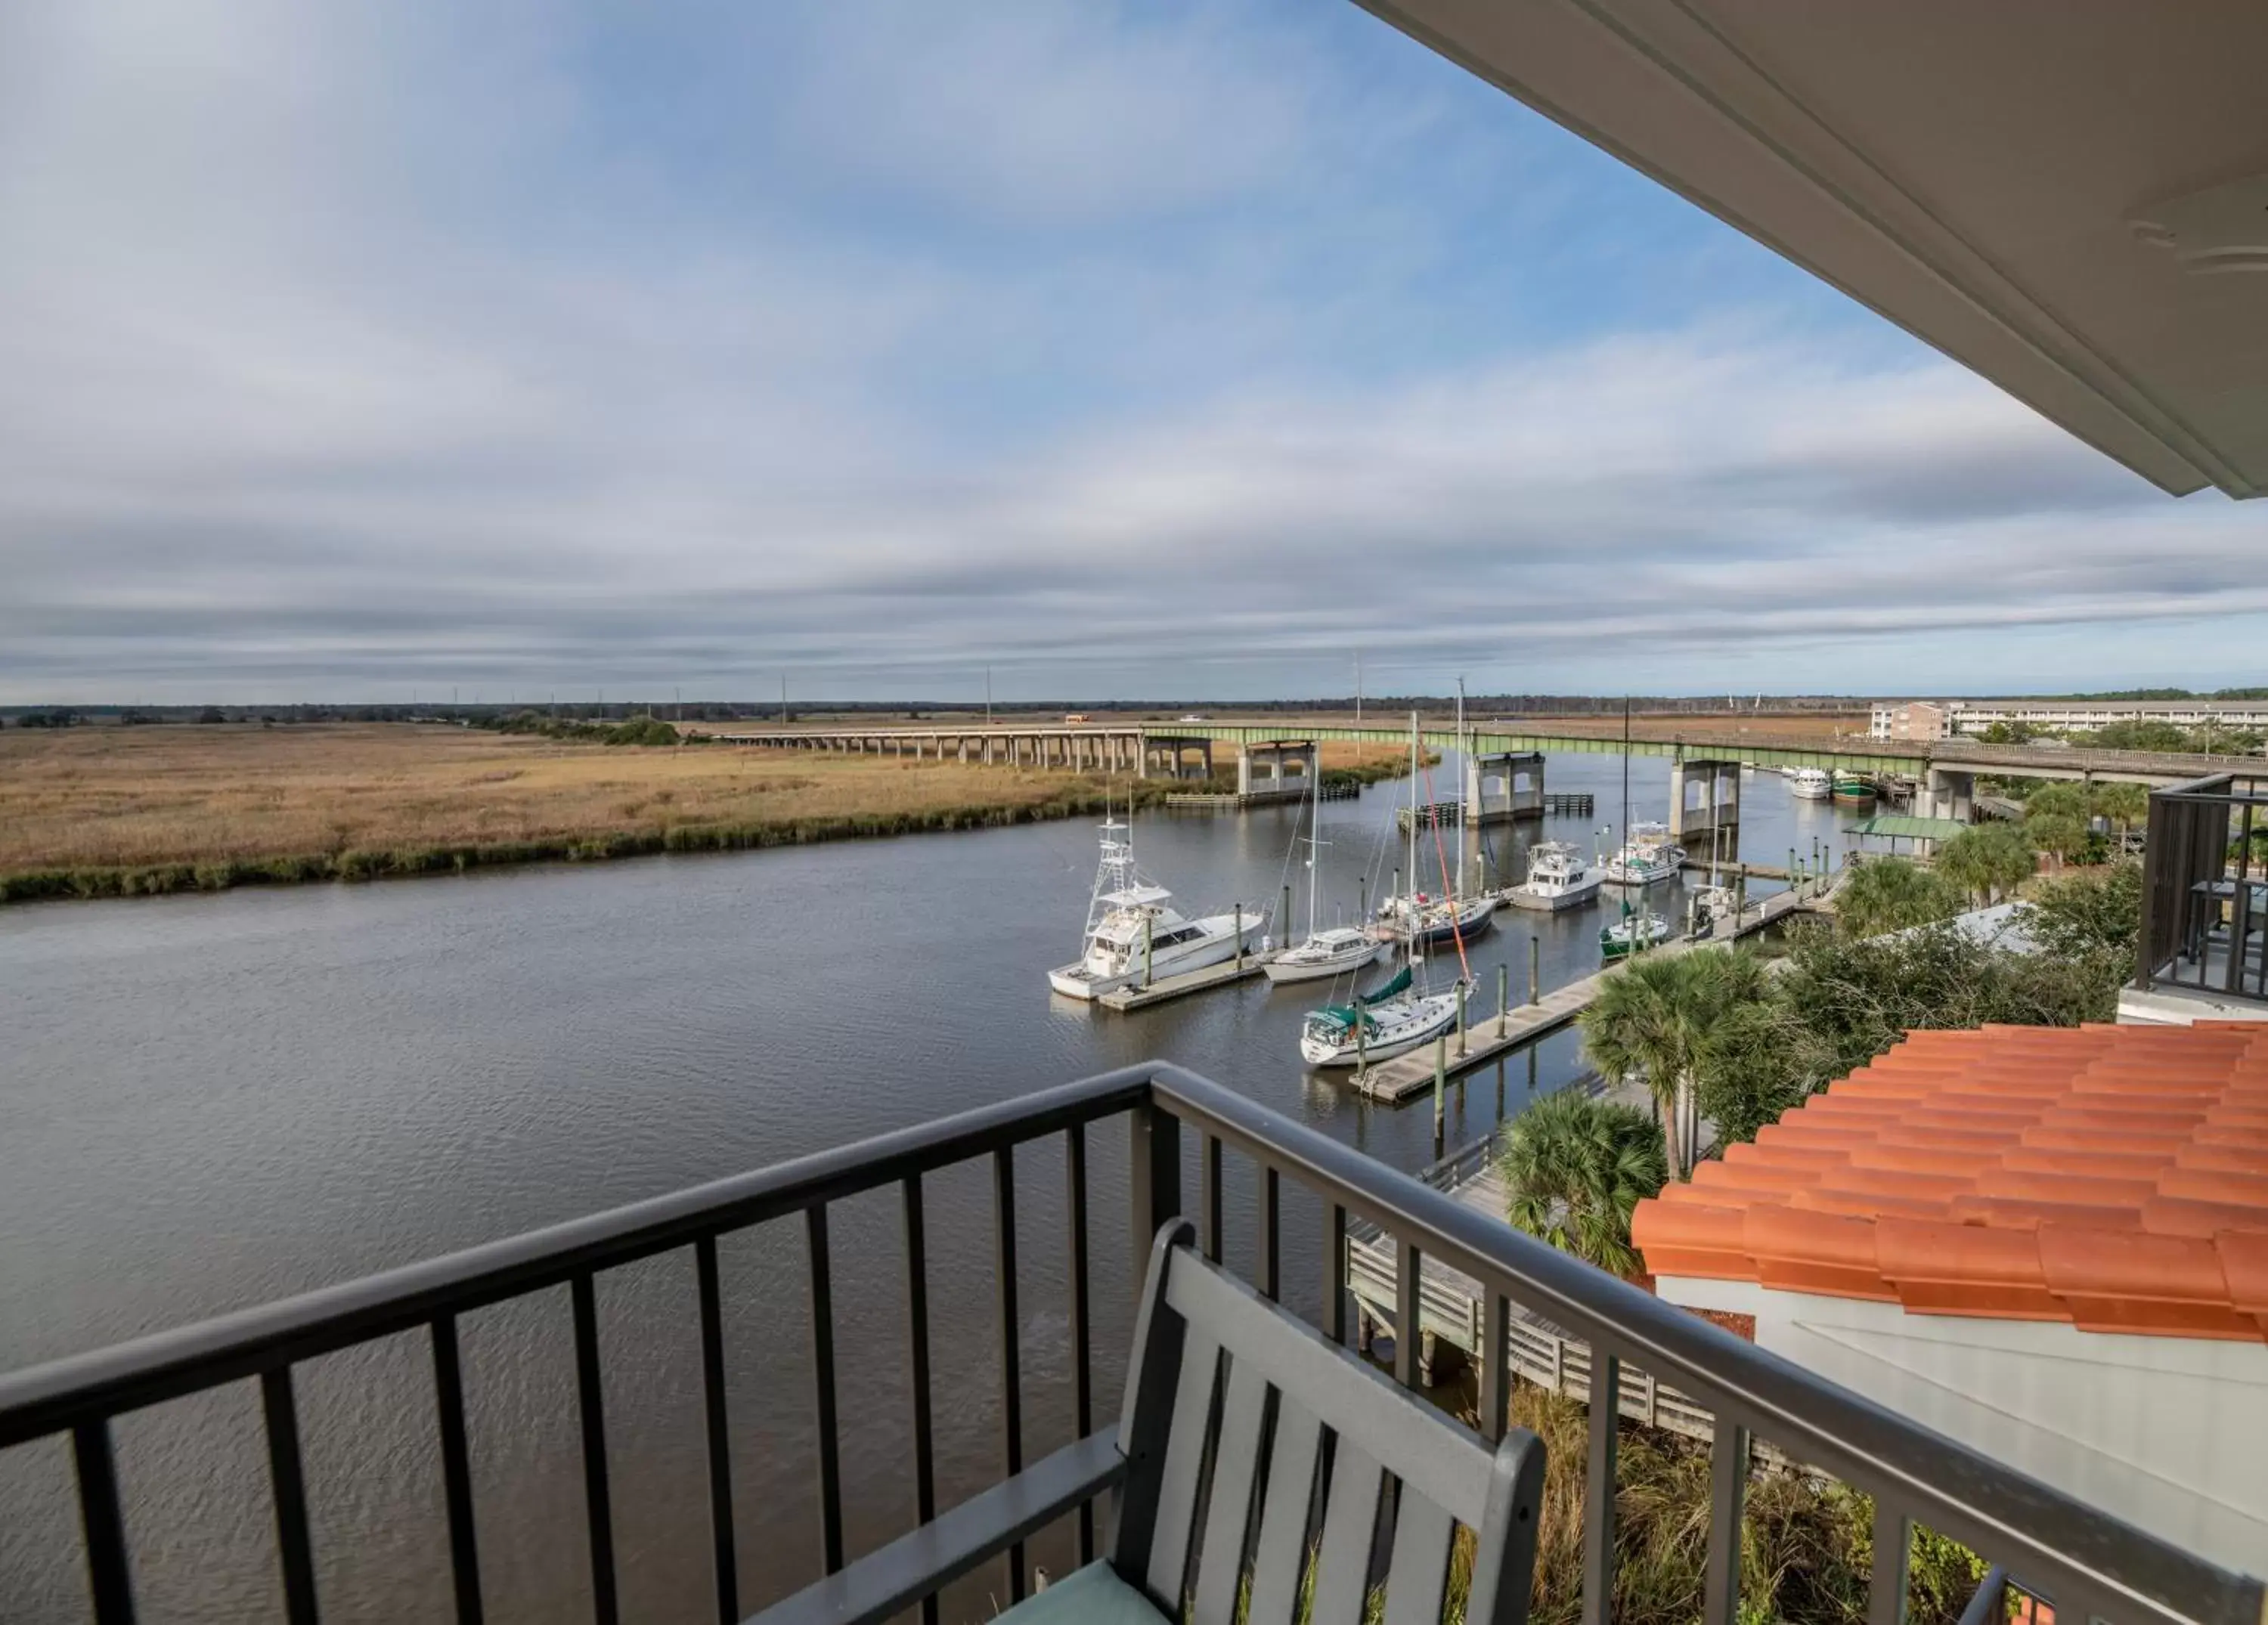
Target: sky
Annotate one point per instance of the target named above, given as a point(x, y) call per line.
point(366, 351)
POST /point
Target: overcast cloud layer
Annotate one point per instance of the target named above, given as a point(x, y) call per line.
point(1156, 349)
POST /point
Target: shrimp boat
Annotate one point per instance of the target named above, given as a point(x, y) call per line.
point(1809, 783)
point(1134, 934)
point(1376, 1026)
point(1324, 953)
point(1558, 876)
point(1854, 792)
point(1634, 931)
point(1647, 858)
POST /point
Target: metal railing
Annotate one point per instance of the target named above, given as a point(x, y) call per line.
point(2205, 897)
point(2088, 1564)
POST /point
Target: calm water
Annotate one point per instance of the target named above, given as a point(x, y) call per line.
point(211, 1101)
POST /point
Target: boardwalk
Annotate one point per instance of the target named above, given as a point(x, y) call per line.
point(1187, 983)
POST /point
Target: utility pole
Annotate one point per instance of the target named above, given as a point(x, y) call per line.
point(783, 699)
point(988, 696)
point(1358, 688)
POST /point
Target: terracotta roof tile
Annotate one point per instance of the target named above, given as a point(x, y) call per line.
point(2115, 1177)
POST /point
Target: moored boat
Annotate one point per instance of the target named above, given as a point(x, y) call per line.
point(1134, 934)
point(1810, 783)
point(1647, 858)
point(1323, 953)
point(1637, 929)
point(1559, 876)
point(1376, 1026)
point(1854, 792)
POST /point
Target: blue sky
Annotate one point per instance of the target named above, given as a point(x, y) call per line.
point(1153, 350)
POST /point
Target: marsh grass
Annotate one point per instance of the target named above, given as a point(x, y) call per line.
point(128, 812)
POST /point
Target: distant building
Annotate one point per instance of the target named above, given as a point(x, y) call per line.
point(1911, 719)
point(1938, 719)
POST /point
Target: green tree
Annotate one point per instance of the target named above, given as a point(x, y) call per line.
point(1761, 1059)
point(1653, 1020)
point(1574, 1167)
point(1989, 861)
point(2064, 837)
point(2077, 915)
point(2056, 799)
point(1892, 894)
point(2126, 805)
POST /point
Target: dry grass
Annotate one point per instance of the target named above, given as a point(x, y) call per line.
point(74, 801)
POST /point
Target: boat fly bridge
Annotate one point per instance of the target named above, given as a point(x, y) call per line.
point(1135, 936)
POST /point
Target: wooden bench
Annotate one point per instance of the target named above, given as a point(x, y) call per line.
point(1246, 1442)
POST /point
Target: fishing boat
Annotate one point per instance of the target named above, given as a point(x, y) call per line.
point(1558, 876)
point(1854, 792)
point(1634, 931)
point(1134, 934)
point(1809, 783)
point(1377, 1026)
point(1647, 858)
point(1323, 953)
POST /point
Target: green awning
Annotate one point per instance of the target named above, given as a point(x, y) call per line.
point(1906, 827)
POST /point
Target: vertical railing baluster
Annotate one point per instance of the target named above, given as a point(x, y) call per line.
point(1599, 1488)
point(1495, 1386)
point(1154, 1171)
point(721, 1454)
point(1211, 1197)
point(598, 1505)
point(1408, 1336)
point(822, 1372)
point(456, 1470)
point(1271, 1247)
point(1729, 1488)
point(1886, 1587)
point(1334, 1276)
point(288, 1484)
point(103, 1524)
point(917, 1347)
point(1011, 1383)
point(1082, 1352)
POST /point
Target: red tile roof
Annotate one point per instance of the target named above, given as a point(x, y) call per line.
point(2116, 1178)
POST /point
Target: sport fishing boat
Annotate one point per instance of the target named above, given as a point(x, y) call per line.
point(1377, 1026)
point(1134, 934)
point(1558, 876)
point(1809, 783)
point(1647, 858)
point(1635, 930)
point(1323, 953)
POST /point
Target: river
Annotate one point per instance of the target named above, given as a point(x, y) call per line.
point(212, 1101)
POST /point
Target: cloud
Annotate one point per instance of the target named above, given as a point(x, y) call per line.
point(1129, 350)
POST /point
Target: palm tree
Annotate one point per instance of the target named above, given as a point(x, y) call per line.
point(1891, 894)
point(1573, 1169)
point(1653, 1018)
point(2126, 805)
point(1988, 861)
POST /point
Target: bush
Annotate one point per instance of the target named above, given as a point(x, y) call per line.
point(1891, 894)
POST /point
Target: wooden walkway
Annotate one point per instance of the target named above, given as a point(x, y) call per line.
point(1451, 1306)
point(1188, 981)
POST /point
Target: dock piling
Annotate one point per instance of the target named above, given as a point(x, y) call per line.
point(1441, 1081)
point(1460, 1021)
point(1503, 997)
point(1534, 968)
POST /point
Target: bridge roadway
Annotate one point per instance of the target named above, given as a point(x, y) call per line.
point(1128, 747)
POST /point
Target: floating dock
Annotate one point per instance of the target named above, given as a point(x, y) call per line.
point(1484, 1041)
point(1166, 987)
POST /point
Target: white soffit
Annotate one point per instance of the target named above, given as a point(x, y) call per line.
point(2070, 196)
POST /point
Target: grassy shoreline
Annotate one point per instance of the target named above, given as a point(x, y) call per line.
point(204, 812)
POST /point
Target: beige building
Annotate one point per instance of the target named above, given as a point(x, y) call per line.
point(1910, 720)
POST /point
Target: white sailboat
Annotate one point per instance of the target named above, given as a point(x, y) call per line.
point(1559, 876)
point(1377, 1026)
point(1417, 919)
point(1134, 935)
point(1324, 953)
point(1647, 858)
point(1634, 933)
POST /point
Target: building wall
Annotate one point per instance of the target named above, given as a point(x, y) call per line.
point(1908, 719)
point(2168, 1433)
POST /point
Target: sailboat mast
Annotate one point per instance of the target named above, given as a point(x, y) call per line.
point(1410, 893)
point(1314, 829)
point(1464, 786)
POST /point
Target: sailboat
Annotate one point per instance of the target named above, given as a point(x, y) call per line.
point(1134, 934)
point(1324, 953)
point(1634, 932)
point(1419, 919)
point(1376, 1026)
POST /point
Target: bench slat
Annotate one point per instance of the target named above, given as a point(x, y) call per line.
point(1177, 1491)
point(1419, 1570)
point(1283, 1546)
point(1349, 1522)
point(1235, 1464)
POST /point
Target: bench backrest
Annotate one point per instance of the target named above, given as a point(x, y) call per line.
point(1336, 1434)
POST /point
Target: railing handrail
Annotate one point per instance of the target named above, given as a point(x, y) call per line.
point(1953, 1488)
point(53, 1397)
point(2087, 1561)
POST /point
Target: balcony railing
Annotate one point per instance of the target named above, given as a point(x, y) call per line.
point(1182, 1130)
point(2205, 899)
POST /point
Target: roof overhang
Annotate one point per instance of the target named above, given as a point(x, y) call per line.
point(2070, 199)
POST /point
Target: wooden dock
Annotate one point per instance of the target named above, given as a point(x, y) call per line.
point(1166, 987)
point(1482, 1040)
point(1487, 1036)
